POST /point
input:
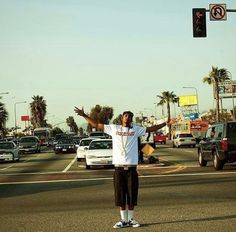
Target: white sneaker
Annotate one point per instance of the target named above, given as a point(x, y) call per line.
point(120, 224)
point(133, 223)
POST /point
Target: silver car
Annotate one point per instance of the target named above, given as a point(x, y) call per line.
point(29, 144)
point(9, 151)
point(184, 140)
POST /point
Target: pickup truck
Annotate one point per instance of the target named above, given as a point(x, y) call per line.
point(160, 138)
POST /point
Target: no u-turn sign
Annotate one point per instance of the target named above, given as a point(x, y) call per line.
point(217, 12)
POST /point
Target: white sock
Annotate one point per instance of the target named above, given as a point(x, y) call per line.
point(123, 215)
point(130, 215)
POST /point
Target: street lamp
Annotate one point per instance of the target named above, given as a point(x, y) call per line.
point(4, 93)
point(191, 87)
point(15, 112)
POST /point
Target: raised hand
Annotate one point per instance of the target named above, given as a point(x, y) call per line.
point(79, 112)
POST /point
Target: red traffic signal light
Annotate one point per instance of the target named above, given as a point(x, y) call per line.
point(199, 22)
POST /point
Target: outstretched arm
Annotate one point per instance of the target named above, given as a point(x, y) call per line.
point(155, 127)
point(91, 121)
point(159, 126)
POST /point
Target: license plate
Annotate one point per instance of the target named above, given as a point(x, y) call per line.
point(106, 162)
point(64, 149)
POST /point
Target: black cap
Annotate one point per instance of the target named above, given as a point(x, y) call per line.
point(128, 112)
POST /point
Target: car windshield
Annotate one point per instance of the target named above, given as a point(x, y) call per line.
point(185, 135)
point(100, 145)
point(65, 141)
point(85, 142)
point(6, 146)
point(28, 140)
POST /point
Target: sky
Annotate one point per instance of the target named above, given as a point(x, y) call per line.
point(108, 52)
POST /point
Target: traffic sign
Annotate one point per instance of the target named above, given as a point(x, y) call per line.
point(217, 12)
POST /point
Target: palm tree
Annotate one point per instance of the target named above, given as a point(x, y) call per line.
point(3, 118)
point(215, 77)
point(72, 124)
point(38, 111)
point(101, 114)
point(167, 98)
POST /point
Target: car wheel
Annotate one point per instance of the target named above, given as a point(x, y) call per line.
point(201, 161)
point(87, 166)
point(217, 163)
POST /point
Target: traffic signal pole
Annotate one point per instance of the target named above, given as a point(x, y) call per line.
point(199, 21)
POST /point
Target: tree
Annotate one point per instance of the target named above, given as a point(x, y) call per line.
point(215, 77)
point(3, 119)
point(72, 124)
point(81, 132)
point(211, 116)
point(101, 114)
point(167, 98)
point(38, 111)
point(117, 120)
point(56, 130)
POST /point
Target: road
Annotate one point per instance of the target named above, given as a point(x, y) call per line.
point(48, 192)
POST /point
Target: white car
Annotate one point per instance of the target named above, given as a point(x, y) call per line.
point(9, 151)
point(99, 153)
point(84, 143)
point(184, 140)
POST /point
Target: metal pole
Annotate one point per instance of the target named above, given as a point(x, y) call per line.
point(15, 113)
point(232, 95)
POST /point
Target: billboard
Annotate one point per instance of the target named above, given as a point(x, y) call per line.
point(189, 100)
point(25, 118)
point(227, 89)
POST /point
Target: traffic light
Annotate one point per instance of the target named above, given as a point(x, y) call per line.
point(199, 22)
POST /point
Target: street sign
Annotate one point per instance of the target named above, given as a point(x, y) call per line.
point(217, 12)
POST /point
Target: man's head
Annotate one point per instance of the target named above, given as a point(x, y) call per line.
point(127, 118)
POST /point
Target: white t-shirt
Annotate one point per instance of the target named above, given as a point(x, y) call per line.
point(125, 143)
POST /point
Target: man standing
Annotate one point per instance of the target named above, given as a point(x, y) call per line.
point(125, 160)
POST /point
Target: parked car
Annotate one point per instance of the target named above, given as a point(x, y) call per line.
point(9, 151)
point(160, 138)
point(76, 139)
point(65, 145)
point(30, 144)
point(218, 145)
point(84, 143)
point(58, 137)
point(99, 134)
point(99, 153)
point(184, 139)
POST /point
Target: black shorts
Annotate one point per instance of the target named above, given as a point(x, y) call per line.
point(126, 186)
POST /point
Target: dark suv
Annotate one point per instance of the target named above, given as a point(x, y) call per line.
point(219, 145)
